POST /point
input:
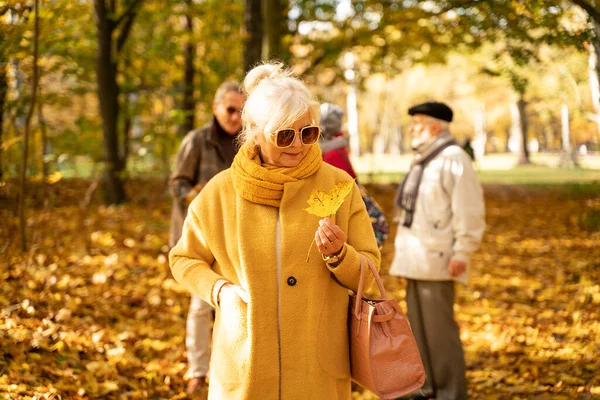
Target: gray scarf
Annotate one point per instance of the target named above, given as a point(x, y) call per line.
point(406, 196)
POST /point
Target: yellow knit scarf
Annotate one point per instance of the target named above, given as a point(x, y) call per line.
point(262, 183)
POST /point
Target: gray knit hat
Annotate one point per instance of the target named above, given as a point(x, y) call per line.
point(331, 119)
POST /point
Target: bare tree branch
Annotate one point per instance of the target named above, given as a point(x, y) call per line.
point(22, 10)
point(129, 12)
point(124, 33)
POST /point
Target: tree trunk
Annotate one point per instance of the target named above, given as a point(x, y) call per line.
point(254, 29)
point(524, 154)
point(568, 158)
point(44, 136)
point(480, 132)
point(189, 105)
point(594, 13)
point(127, 123)
point(108, 96)
point(595, 73)
point(274, 23)
point(34, 90)
point(3, 91)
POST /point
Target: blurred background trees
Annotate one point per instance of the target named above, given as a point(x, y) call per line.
point(121, 81)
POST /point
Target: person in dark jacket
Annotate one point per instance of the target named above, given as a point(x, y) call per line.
point(469, 148)
point(204, 152)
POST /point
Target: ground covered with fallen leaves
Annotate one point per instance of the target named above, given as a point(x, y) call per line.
point(91, 310)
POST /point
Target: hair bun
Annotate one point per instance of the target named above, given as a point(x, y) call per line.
point(257, 74)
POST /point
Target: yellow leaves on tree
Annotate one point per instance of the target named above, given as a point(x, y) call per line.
point(324, 204)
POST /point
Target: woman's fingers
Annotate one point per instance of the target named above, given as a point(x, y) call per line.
point(331, 225)
point(323, 244)
point(329, 238)
point(327, 231)
point(331, 230)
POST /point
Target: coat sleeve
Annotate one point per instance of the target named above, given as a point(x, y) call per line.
point(184, 177)
point(360, 240)
point(468, 208)
point(191, 259)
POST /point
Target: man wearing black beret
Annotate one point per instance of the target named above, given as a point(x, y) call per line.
point(433, 109)
point(442, 218)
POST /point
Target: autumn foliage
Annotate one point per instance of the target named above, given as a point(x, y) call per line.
point(91, 311)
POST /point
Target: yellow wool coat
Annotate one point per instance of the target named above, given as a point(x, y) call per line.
point(290, 341)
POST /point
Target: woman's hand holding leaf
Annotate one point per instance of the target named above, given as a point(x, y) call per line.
point(329, 237)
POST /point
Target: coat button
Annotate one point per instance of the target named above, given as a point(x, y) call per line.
point(291, 281)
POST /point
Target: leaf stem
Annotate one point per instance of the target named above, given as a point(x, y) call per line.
point(309, 249)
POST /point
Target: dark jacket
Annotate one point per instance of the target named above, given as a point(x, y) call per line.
point(199, 158)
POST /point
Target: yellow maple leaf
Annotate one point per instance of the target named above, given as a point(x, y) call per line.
point(323, 204)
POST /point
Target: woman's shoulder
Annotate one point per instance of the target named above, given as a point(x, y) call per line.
point(220, 182)
point(330, 172)
point(213, 194)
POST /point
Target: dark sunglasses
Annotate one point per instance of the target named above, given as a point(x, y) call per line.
point(231, 110)
point(286, 136)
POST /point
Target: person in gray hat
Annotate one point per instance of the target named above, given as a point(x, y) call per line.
point(441, 223)
point(334, 148)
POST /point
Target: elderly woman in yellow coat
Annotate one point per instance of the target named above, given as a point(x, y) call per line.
point(280, 329)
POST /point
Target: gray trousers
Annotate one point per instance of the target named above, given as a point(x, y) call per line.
point(431, 315)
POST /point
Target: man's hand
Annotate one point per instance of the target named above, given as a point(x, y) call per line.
point(456, 267)
point(193, 193)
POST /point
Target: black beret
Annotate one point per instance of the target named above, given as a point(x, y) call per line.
point(433, 109)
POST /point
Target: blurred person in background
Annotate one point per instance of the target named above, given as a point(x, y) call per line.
point(441, 223)
point(333, 142)
point(468, 147)
point(204, 152)
point(334, 145)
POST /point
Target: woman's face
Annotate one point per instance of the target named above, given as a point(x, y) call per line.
point(290, 156)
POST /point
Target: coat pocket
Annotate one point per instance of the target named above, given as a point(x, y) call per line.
point(438, 261)
point(332, 337)
point(231, 345)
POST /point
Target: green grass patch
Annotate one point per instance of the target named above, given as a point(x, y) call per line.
point(534, 174)
point(521, 175)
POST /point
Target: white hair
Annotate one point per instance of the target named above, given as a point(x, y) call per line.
point(275, 100)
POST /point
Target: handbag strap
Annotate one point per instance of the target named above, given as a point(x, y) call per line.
point(361, 282)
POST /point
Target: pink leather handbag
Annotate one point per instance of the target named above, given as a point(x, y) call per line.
point(384, 357)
